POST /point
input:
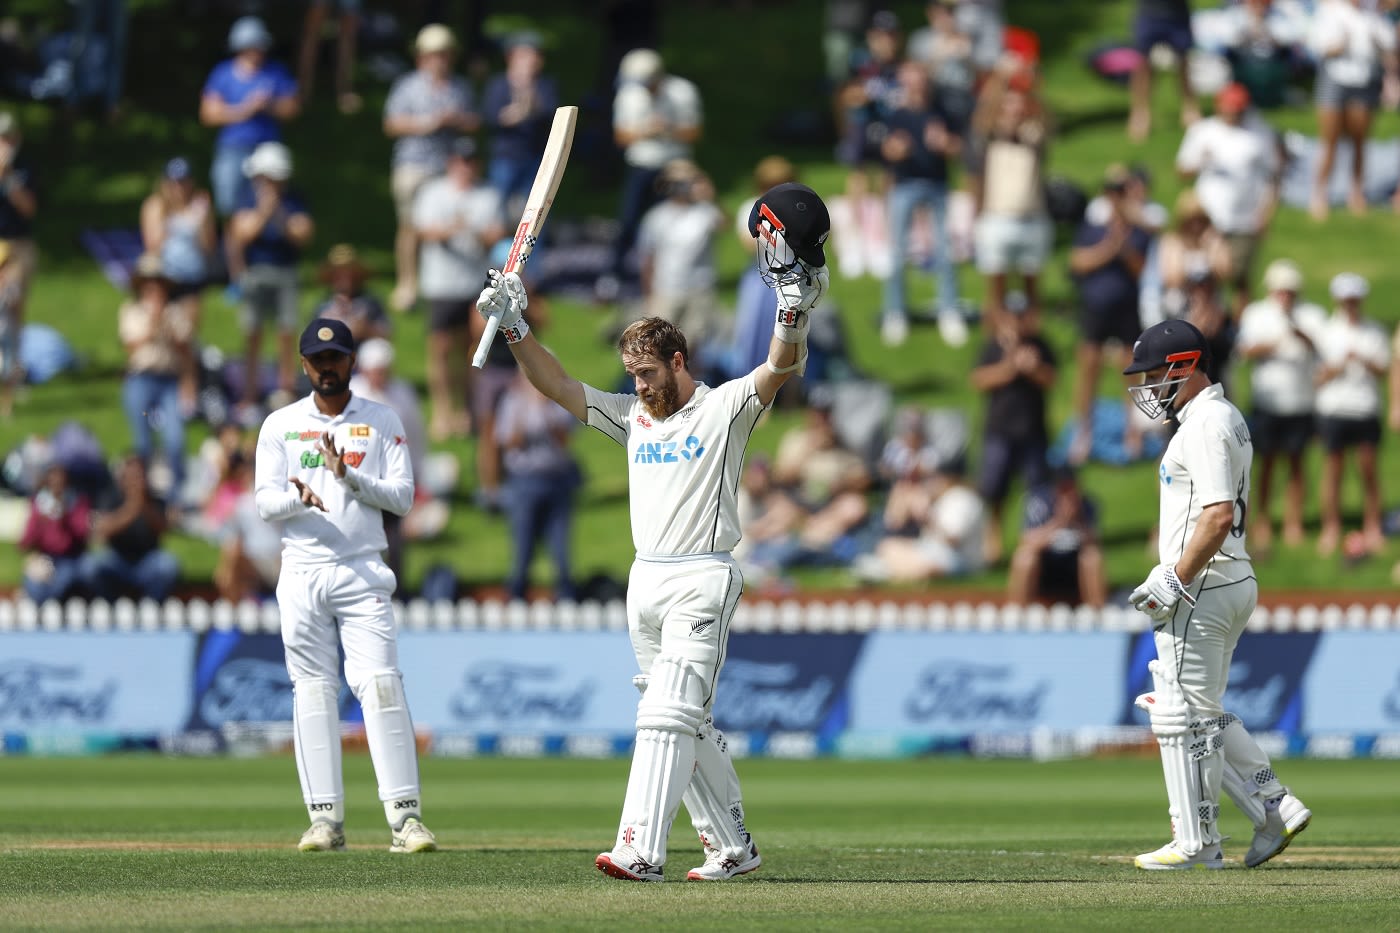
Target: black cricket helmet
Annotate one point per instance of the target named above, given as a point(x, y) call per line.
point(791, 225)
point(1180, 349)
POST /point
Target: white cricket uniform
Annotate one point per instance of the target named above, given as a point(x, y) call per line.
point(681, 595)
point(334, 588)
point(1208, 461)
point(1282, 382)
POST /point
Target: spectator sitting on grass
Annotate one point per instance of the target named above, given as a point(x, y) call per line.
point(1058, 558)
point(948, 544)
point(347, 298)
point(828, 481)
point(128, 527)
point(55, 536)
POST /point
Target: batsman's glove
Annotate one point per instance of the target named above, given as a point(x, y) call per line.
point(505, 294)
point(1158, 595)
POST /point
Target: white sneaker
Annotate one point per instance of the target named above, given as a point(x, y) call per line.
point(412, 837)
point(626, 863)
point(719, 868)
point(894, 329)
point(1281, 824)
point(952, 327)
point(1172, 858)
point(323, 836)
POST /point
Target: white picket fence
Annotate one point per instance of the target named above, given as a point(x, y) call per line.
point(863, 615)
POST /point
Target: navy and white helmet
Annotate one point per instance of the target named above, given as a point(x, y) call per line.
point(791, 225)
point(1174, 346)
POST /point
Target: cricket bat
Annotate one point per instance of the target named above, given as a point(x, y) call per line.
point(556, 156)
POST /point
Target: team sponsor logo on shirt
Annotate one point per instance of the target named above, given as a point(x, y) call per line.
point(644, 421)
point(670, 451)
point(1166, 477)
point(302, 436)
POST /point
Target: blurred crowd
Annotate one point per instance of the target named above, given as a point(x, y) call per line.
point(944, 134)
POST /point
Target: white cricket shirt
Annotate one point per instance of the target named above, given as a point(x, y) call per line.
point(683, 472)
point(1354, 392)
point(1207, 461)
point(1282, 382)
point(378, 477)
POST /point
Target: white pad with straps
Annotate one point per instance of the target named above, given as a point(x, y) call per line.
point(669, 718)
point(1190, 762)
point(316, 739)
point(1249, 776)
point(389, 732)
point(713, 798)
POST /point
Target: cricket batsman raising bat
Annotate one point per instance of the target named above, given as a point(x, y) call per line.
point(685, 446)
point(556, 156)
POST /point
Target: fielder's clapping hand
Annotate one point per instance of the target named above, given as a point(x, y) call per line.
point(505, 295)
point(1157, 596)
point(308, 497)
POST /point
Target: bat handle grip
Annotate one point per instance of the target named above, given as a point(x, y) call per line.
point(493, 324)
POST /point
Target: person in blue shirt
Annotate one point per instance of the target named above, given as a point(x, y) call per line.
point(518, 106)
point(246, 97)
point(270, 229)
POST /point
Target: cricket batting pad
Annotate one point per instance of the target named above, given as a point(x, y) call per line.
point(1190, 760)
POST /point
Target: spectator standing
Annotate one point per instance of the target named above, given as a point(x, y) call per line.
point(1106, 262)
point(1354, 353)
point(346, 36)
point(915, 151)
point(946, 52)
point(542, 478)
point(156, 335)
point(427, 109)
point(870, 94)
point(19, 202)
point(657, 117)
point(1235, 159)
point(676, 249)
point(1277, 336)
point(458, 219)
point(1206, 311)
point(245, 97)
point(348, 299)
point(1015, 372)
point(518, 106)
point(1354, 47)
point(127, 527)
point(178, 225)
point(55, 536)
point(1013, 232)
point(1168, 23)
point(270, 230)
point(1058, 558)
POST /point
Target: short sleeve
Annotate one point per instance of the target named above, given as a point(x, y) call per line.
point(397, 104)
point(1208, 463)
point(425, 206)
point(630, 107)
point(1088, 235)
point(283, 82)
point(1193, 147)
point(740, 400)
point(685, 97)
point(609, 412)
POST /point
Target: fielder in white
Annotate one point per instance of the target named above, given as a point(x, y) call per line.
point(1199, 599)
point(327, 467)
point(685, 446)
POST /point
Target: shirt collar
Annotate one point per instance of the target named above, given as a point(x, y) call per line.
point(1213, 391)
point(308, 405)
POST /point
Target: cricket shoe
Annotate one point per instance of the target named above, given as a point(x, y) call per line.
point(323, 836)
point(717, 867)
point(1171, 858)
point(1281, 824)
point(412, 837)
point(626, 863)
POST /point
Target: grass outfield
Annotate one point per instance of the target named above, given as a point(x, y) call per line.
point(146, 842)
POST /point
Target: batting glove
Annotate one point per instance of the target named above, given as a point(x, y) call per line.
point(1157, 596)
point(505, 295)
point(803, 295)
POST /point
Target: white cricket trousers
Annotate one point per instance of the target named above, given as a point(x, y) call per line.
point(347, 605)
point(684, 607)
point(1199, 642)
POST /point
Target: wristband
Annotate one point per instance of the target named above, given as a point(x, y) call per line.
point(516, 332)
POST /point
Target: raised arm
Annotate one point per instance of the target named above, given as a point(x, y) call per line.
point(506, 295)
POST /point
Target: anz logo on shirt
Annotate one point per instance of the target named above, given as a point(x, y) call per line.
point(669, 451)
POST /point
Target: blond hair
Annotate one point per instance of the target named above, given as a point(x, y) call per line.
point(654, 336)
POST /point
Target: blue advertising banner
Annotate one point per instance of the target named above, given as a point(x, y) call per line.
point(557, 683)
point(1266, 679)
point(118, 683)
point(1353, 684)
point(778, 683)
point(241, 678)
point(972, 682)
